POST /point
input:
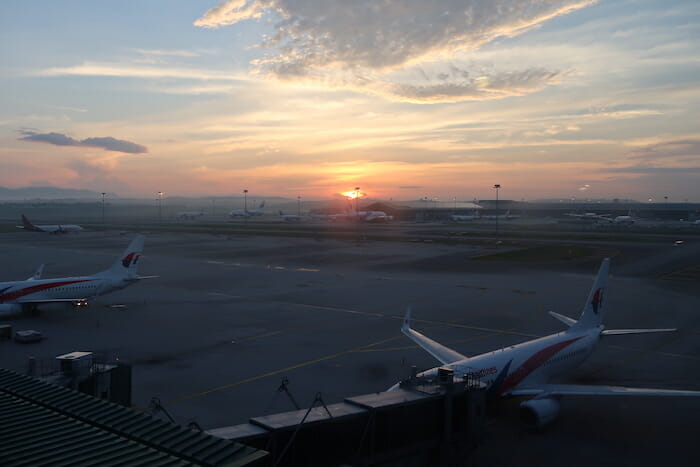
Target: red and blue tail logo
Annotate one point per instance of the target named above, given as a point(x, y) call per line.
point(130, 259)
point(597, 301)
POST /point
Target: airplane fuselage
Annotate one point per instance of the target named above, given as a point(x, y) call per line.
point(530, 363)
point(58, 228)
point(64, 288)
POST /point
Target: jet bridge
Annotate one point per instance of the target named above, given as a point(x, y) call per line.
point(423, 422)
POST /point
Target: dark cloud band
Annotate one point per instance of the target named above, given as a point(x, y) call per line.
point(106, 142)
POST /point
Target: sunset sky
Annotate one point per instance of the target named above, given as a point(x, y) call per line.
point(405, 99)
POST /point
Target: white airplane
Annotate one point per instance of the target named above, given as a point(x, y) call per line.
point(592, 216)
point(37, 274)
point(525, 369)
point(248, 212)
point(465, 217)
point(18, 296)
point(626, 220)
point(507, 216)
point(374, 216)
point(54, 229)
point(290, 217)
point(351, 215)
point(189, 214)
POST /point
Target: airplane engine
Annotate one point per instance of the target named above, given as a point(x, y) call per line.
point(10, 309)
point(537, 413)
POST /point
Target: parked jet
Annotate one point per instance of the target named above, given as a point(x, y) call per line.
point(626, 220)
point(506, 217)
point(592, 216)
point(189, 214)
point(465, 217)
point(18, 296)
point(525, 369)
point(248, 212)
point(290, 217)
point(54, 229)
point(37, 274)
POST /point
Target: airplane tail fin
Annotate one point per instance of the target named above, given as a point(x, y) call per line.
point(262, 205)
point(127, 264)
point(281, 213)
point(592, 315)
point(28, 225)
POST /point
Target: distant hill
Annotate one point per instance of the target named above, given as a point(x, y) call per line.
point(48, 192)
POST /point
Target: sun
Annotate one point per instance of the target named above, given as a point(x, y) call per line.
point(352, 194)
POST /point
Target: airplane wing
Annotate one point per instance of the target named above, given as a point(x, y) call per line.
point(620, 332)
point(438, 351)
point(51, 300)
point(584, 390)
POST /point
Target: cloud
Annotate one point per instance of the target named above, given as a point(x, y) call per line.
point(410, 187)
point(172, 53)
point(667, 149)
point(358, 44)
point(106, 142)
point(486, 86)
point(138, 71)
point(653, 170)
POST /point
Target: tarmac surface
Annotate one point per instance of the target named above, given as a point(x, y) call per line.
point(231, 315)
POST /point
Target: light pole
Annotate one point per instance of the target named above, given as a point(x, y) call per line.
point(497, 187)
point(299, 206)
point(357, 201)
point(213, 206)
point(160, 205)
point(245, 206)
point(103, 207)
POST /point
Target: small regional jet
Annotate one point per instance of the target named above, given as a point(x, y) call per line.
point(248, 212)
point(525, 369)
point(54, 229)
point(18, 296)
point(589, 216)
point(507, 216)
point(290, 217)
point(625, 220)
point(465, 217)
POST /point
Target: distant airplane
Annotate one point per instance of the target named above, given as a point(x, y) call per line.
point(189, 214)
point(465, 217)
point(525, 369)
point(290, 217)
point(37, 274)
point(18, 296)
point(351, 215)
point(626, 220)
point(507, 216)
point(248, 212)
point(54, 229)
point(592, 216)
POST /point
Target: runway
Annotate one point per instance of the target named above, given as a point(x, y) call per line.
point(230, 316)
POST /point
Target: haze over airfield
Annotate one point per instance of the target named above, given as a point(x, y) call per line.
point(406, 99)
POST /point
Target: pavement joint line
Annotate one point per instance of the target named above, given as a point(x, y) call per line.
point(308, 362)
point(636, 353)
point(276, 372)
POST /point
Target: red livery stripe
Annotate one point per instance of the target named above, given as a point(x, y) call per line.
point(15, 294)
point(533, 363)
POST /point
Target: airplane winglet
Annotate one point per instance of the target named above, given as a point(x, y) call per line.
point(407, 320)
point(564, 319)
